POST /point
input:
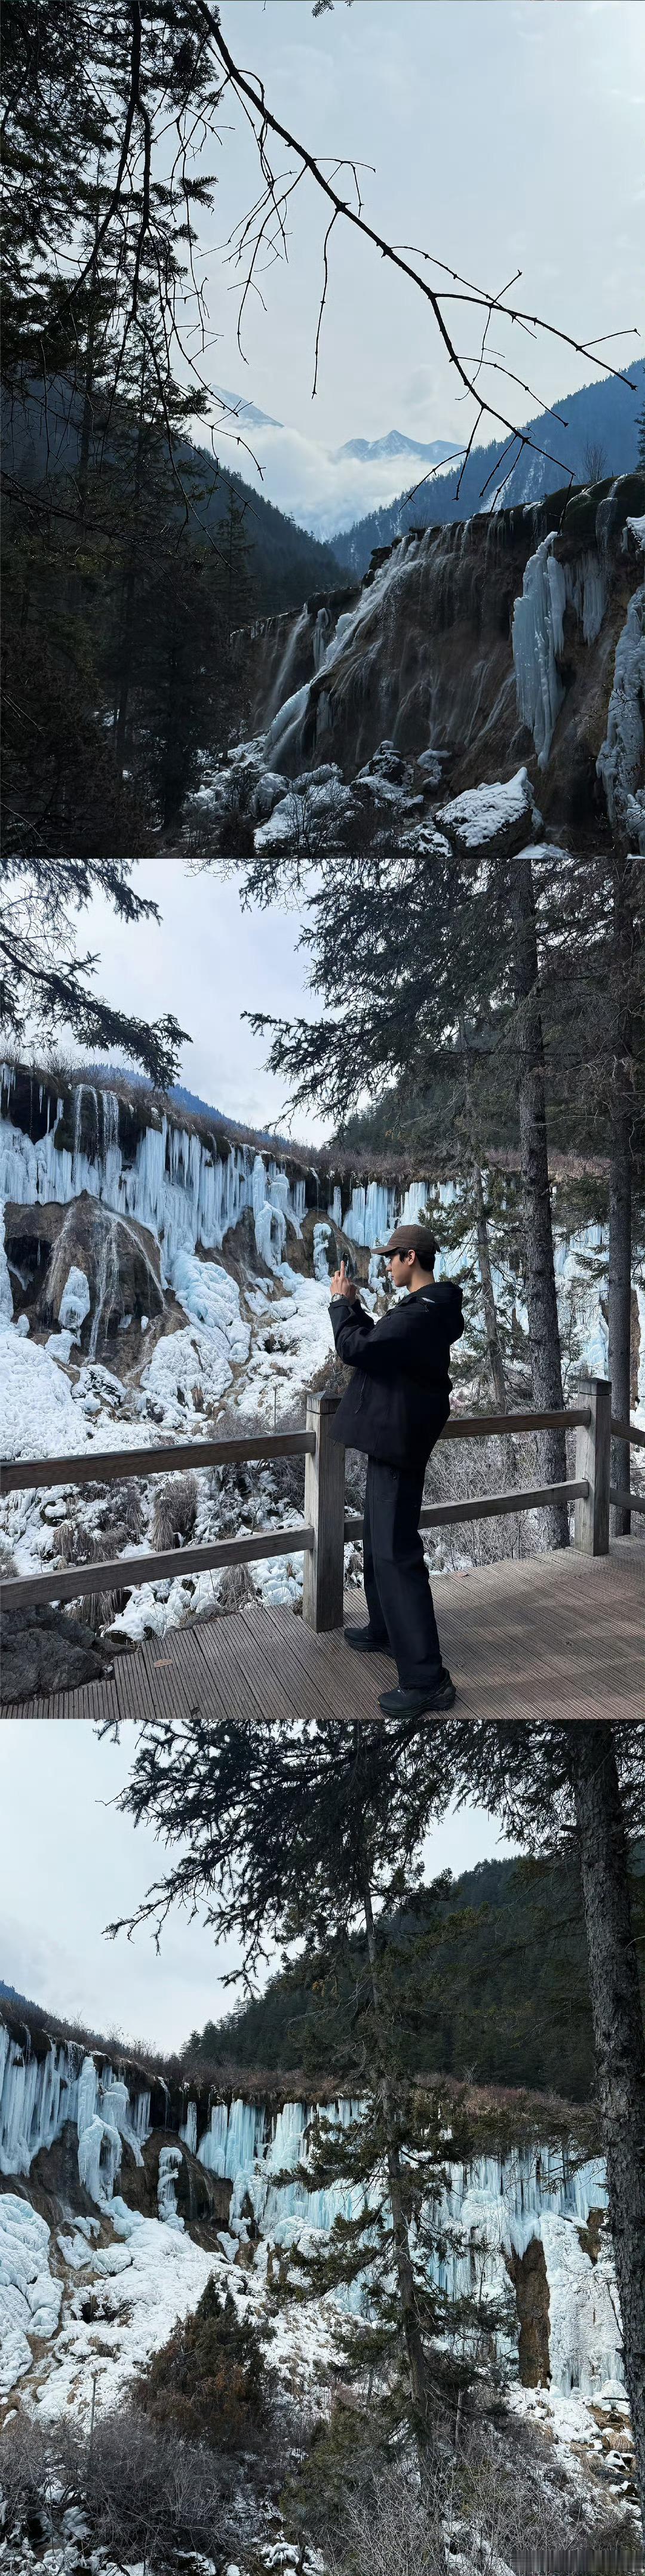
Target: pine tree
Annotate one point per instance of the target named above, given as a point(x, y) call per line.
point(302, 1834)
point(392, 2253)
point(43, 981)
point(299, 1835)
point(588, 1781)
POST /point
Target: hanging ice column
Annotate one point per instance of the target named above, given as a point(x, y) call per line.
point(178, 1186)
point(371, 1216)
point(537, 639)
point(620, 762)
point(39, 2094)
point(376, 1209)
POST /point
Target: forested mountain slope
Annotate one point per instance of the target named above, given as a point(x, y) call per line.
point(129, 560)
point(503, 1997)
point(594, 433)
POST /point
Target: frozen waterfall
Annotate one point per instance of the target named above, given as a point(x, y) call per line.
point(177, 1185)
point(499, 2204)
point(620, 761)
point(537, 638)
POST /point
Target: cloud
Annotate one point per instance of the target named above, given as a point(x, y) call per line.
point(320, 491)
point(72, 1860)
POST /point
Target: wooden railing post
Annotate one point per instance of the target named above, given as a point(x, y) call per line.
point(593, 1453)
point(323, 1586)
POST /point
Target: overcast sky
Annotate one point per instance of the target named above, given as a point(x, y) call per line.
point(71, 1864)
point(208, 961)
point(502, 134)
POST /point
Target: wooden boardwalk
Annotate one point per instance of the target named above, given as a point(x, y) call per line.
point(552, 1637)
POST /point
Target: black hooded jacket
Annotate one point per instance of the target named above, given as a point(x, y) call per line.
point(399, 1399)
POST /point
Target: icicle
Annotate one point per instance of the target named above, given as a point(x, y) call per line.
point(537, 637)
point(170, 2163)
point(620, 761)
point(280, 688)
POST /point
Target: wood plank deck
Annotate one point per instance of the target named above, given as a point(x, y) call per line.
point(548, 1638)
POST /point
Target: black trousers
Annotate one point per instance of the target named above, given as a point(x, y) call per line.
point(395, 1575)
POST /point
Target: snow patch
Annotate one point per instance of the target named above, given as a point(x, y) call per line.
point(30, 2300)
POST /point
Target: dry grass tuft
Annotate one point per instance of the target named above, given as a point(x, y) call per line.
point(175, 1511)
point(79, 1546)
point(235, 1589)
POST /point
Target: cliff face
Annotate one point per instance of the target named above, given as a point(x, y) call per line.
point(95, 2139)
point(490, 642)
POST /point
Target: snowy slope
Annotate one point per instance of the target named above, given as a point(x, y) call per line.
point(147, 2272)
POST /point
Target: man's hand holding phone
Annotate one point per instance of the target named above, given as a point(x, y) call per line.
point(341, 1286)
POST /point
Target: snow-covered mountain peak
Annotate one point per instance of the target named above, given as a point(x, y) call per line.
point(369, 451)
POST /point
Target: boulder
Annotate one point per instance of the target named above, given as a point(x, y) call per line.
point(116, 1257)
point(201, 2198)
point(43, 1651)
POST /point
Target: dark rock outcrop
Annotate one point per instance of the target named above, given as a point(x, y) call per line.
point(43, 1651)
point(118, 1255)
point(529, 2276)
point(201, 2198)
point(429, 659)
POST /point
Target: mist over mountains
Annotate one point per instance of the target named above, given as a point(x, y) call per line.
point(370, 490)
point(322, 488)
point(595, 434)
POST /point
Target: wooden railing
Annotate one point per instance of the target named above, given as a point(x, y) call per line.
point(620, 1494)
point(327, 1524)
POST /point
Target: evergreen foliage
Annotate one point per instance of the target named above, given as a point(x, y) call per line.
point(459, 2328)
point(43, 978)
point(503, 1994)
point(414, 956)
point(298, 1832)
point(209, 2382)
point(310, 1835)
point(128, 572)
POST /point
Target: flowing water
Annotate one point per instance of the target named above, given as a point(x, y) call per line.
point(282, 684)
point(107, 1286)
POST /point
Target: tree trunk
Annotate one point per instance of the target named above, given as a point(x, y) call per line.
point(620, 1188)
point(129, 591)
point(620, 1290)
point(493, 1344)
point(618, 2038)
point(419, 2382)
point(544, 1334)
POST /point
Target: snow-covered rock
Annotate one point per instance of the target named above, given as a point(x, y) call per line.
point(482, 813)
point(30, 2299)
point(40, 1417)
point(60, 1346)
point(312, 813)
point(75, 1301)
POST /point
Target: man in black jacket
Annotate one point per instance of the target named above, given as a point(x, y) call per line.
point(395, 1408)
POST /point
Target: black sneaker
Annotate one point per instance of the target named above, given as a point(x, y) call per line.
point(365, 1643)
point(420, 1703)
